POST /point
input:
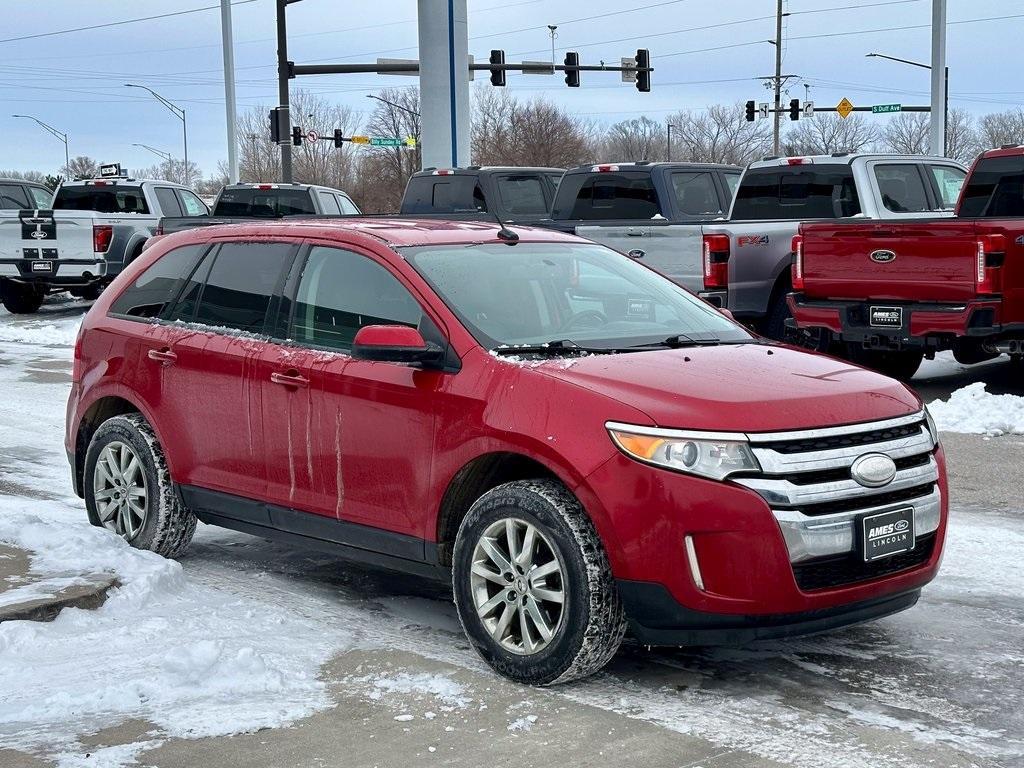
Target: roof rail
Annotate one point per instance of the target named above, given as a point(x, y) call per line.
point(1009, 146)
point(772, 157)
point(840, 154)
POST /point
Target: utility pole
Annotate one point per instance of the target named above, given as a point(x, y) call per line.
point(668, 144)
point(227, 44)
point(940, 76)
point(282, 90)
point(778, 77)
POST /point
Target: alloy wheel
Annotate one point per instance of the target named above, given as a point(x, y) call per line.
point(119, 490)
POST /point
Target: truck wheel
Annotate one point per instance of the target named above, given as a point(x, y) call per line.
point(900, 365)
point(775, 322)
point(21, 298)
point(87, 292)
point(533, 587)
point(128, 488)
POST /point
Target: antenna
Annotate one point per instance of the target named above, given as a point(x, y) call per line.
point(504, 233)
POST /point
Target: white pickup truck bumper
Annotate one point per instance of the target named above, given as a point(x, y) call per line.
point(37, 268)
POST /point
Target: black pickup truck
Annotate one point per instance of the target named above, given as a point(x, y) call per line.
point(515, 195)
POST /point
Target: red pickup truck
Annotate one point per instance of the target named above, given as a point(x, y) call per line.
point(887, 294)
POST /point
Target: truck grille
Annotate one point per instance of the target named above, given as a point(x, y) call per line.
point(806, 479)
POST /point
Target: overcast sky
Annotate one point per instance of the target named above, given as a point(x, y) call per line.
point(703, 51)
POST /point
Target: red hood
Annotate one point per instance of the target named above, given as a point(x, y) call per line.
point(747, 388)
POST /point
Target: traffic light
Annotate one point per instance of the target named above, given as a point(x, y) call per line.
point(297, 136)
point(794, 109)
point(751, 110)
point(643, 67)
point(498, 75)
point(339, 137)
point(572, 76)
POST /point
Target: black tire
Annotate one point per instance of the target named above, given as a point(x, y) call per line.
point(775, 322)
point(87, 292)
point(168, 526)
point(902, 364)
point(592, 622)
point(21, 298)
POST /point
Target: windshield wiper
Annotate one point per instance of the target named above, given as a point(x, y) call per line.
point(679, 340)
point(556, 347)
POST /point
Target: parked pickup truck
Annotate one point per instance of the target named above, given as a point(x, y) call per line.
point(240, 203)
point(650, 211)
point(515, 195)
point(892, 293)
point(747, 259)
point(93, 229)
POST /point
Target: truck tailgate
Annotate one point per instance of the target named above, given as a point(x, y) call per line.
point(47, 237)
point(934, 260)
point(674, 250)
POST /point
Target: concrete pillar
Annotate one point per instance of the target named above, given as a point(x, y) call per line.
point(939, 106)
point(444, 83)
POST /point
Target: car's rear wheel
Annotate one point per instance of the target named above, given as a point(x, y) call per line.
point(21, 298)
point(900, 364)
point(533, 587)
point(128, 489)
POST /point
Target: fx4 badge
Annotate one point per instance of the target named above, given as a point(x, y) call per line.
point(743, 240)
point(883, 257)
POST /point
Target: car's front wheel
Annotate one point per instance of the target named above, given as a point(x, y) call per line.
point(128, 488)
point(533, 587)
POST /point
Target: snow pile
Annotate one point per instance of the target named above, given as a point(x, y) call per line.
point(193, 661)
point(440, 687)
point(974, 410)
point(61, 334)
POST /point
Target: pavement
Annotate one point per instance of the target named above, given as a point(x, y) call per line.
point(29, 596)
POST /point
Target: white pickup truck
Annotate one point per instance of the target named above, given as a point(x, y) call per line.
point(93, 230)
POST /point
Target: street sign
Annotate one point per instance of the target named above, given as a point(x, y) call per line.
point(628, 69)
point(312, 136)
point(391, 141)
point(808, 109)
point(110, 170)
point(538, 68)
point(844, 108)
point(883, 109)
point(762, 110)
point(360, 139)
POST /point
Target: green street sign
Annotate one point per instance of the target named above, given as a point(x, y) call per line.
point(882, 109)
point(388, 141)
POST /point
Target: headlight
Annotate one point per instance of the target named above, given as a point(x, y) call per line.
point(707, 454)
point(932, 429)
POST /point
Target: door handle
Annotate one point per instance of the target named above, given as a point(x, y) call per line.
point(163, 356)
point(291, 378)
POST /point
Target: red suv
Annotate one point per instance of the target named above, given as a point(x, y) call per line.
point(580, 445)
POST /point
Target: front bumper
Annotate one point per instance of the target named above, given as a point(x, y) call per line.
point(924, 325)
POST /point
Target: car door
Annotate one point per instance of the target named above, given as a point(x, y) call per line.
point(205, 353)
point(348, 439)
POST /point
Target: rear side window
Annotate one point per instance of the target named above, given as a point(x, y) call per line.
point(347, 206)
point(103, 198)
point(151, 291)
point(732, 181)
point(241, 280)
point(796, 192)
point(625, 195)
point(902, 188)
point(191, 204)
point(41, 197)
point(271, 203)
point(329, 203)
point(696, 193)
point(522, 194)
point(340, 292)
point(13, 196)
point(949, 181)
point(168, 201)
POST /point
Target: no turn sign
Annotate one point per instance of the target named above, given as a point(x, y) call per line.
point(312, 136)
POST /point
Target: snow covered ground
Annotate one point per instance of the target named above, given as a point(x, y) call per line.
point(236, 636)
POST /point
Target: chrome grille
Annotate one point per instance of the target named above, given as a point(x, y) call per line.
point(806, 480)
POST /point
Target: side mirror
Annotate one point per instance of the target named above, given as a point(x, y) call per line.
point(394, 344)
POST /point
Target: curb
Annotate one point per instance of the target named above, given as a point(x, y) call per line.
point(89, 593)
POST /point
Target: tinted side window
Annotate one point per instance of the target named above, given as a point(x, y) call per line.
point(168, 202)
point(151, 291)
point(329, 203)
point(696, 194)
point(249, 201)
point(797, 192)
point(623, 195)
point(241, 281)
point(340, 292)
point(902, 188)
point(13, 196)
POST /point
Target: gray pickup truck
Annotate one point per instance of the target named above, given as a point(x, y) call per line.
point(514, 195)
point(84, 237)
point(239, 203)
point(750, 254)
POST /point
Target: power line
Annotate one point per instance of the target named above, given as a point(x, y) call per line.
point(120, 23)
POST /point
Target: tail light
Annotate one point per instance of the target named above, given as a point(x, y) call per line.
point(797, 272)
point(716, 261)
point(102, 234)
point(991, 252)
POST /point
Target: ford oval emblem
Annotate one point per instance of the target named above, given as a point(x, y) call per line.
point(873, 470)
point(901, 525)
point(38, 235)
point(883, 257)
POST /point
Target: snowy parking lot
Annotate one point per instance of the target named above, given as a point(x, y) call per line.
point(322, 662)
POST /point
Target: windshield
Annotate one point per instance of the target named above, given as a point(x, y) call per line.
point(586, 294)
point(103, 197)
point(270, 203)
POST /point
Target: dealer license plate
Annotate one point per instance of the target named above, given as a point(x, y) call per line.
point(886, 317)
point(42, 266)
point(888, 533)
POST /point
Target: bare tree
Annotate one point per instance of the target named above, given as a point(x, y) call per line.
point(491, 134)
point(170, 170)
point(384, 171)
point(825, 134)
point(907, 134)
point(82, 166)
point(720, 134)
point(638, 139)
point(962, 140)
point(1001, 128)
point(37, 176)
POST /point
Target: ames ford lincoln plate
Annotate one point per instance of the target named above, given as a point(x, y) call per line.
point(581, 446)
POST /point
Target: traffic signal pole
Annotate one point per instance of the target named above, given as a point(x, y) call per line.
point(778, 78)
point(282, 88)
